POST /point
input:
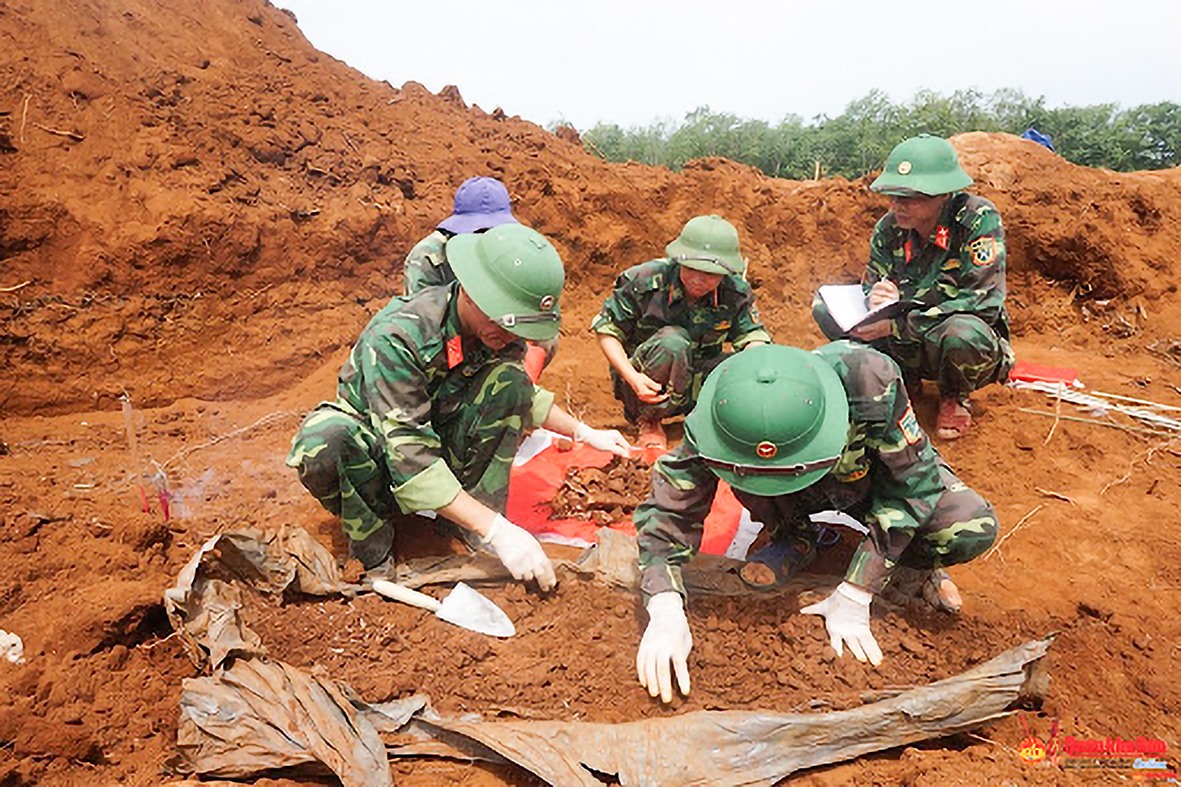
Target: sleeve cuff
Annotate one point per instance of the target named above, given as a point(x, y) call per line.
point(753, 336)
point(543, 402)
point(660, 578)
point(609, 329)
point(433, 488)
point(868, 569)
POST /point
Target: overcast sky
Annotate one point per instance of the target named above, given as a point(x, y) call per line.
point(637, 62)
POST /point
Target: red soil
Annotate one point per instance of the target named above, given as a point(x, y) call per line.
point(207, 210)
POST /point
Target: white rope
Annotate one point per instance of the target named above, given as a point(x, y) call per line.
point(1100, 406)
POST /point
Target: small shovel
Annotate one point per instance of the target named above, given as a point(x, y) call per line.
point(463, 606)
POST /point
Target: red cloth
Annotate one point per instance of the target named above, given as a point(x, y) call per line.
point(533, 485)
point(534, 361)
point(1036, 373)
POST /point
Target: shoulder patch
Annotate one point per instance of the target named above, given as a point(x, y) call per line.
point(973, 209)
point(909, 426)
point(649, 283)
point(984, 251)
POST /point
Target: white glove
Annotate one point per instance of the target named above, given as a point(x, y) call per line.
point(609, 440)
point(667, 639)
point(520, 553)
point(846, 616)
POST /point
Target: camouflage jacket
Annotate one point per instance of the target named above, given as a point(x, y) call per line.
point(426, 265)
point(649, 296)
point(405, 370)
point(887, 459)
point(960, 269)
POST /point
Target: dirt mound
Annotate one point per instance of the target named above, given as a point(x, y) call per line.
point(168, 171)
point(202, 211)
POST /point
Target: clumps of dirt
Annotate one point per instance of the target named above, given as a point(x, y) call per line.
point(603, 495)
point(750, 652)
point(116, 704)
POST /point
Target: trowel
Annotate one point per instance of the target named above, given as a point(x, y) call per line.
point(463, 606)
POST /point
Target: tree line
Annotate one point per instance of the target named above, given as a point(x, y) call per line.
point(859, 139)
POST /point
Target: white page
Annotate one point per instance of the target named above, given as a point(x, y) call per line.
point(846, 303)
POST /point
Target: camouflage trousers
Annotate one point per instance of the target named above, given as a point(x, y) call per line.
point(962, 526)
point(669, 358)
point(962, 353)
point(343, 462)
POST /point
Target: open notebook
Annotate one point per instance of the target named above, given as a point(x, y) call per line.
point(847, 306)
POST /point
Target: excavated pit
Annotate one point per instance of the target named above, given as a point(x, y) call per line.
point(222, 212)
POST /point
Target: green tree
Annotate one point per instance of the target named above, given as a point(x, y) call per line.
point(858, 140)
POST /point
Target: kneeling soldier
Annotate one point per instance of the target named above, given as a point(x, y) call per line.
point(795, 433)
point(434, 400)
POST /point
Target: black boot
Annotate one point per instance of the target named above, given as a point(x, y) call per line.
point(376, 551)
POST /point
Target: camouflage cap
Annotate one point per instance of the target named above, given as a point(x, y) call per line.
point(770, 420)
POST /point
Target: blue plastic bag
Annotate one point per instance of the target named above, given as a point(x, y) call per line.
point(1034, 135)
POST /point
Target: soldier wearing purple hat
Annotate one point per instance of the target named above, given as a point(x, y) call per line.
point(480, 204)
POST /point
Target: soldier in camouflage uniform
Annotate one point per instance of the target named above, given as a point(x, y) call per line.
point(945, 250)
point(480, 205)
point(795, 433)
point(433, 401)
point(665, 325)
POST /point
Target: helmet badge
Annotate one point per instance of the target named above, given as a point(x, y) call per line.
point(547, 303)
point(766, 450)
point(904, 168)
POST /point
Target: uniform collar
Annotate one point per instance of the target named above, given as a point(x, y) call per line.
point(458, 346)
point(676, 290)
point(941, 235)
point(452, 328)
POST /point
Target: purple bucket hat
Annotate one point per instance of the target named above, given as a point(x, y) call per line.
point(480, 204)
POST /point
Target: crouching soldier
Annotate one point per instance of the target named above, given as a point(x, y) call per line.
point(943, 248)
point(795, 433)
point(480, 204)
point(666, 324)
point(433, 402)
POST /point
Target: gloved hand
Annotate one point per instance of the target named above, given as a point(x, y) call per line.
point(846, 616)
point(520, 553)
point(666, 640)
point(603, 439)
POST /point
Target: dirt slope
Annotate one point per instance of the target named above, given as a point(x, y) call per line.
point(206, 210)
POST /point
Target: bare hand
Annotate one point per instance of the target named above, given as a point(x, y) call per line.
point(648, 390)
point(885, 291)
point(875, 330)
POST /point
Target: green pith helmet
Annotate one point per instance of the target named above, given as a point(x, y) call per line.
point(770, 420)
point(514, 275)
point(709, 244)
point(922, 165)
